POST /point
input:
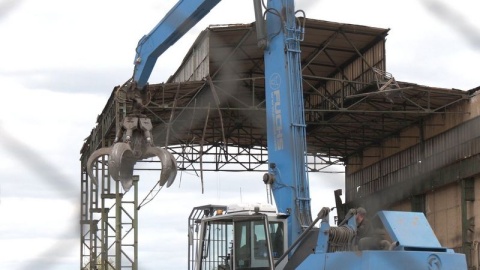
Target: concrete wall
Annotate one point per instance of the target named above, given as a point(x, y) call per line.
point(444, 213)
point(405, 205)
point(433, 126)
point(473, 210)
point(442, 122)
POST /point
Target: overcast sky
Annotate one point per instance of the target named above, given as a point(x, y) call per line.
point(59, 61)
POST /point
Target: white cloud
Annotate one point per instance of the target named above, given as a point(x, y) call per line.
point(52, 124)
point(38, 231)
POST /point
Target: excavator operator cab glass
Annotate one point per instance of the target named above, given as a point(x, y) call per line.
point(216, 245)
point(251, 240)
point(240, 242)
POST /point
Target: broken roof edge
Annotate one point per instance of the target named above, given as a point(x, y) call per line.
point(442, 89)
point(204, 33)
point(310, 23)
point(355, 28)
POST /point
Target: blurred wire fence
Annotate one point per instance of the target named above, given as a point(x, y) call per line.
point(51, 176)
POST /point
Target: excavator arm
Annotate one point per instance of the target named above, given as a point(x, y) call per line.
point(181, 18)
point(134, 140)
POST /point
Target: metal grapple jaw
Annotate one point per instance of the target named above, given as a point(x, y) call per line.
point(137, 145)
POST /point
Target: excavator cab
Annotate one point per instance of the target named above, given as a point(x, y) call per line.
point(237, 237)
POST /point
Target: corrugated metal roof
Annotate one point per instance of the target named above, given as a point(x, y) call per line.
point(345, 111)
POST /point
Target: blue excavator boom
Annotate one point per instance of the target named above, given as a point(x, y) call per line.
point(181, 18)
point(134, 140)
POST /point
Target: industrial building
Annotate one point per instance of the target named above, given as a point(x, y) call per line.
point(404, 146)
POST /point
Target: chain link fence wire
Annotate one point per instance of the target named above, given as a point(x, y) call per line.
point(63, 187)
point(58, 253)
point(448, 14)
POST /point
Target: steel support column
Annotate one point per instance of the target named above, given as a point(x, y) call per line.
point(467, 199)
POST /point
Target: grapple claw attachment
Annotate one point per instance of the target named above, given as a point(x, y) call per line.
point(121, 163)
point(169, 164)
point(137, 145)
point(94, 156)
